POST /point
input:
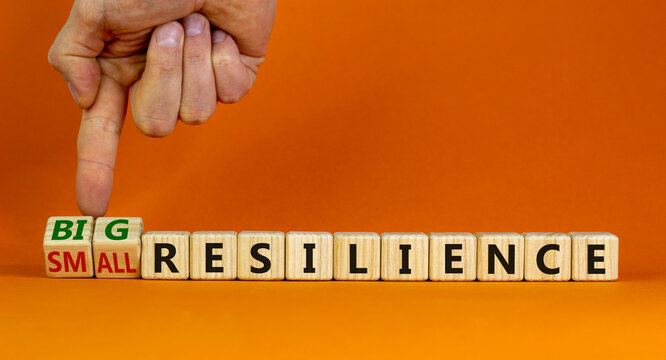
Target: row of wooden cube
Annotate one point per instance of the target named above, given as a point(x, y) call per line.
point(118, 248)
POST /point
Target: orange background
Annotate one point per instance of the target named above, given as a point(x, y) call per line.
point(367, 116)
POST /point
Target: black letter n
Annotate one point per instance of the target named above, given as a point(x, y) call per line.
point(494, 252)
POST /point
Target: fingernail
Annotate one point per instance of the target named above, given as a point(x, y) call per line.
point(193, 24)
point(168, 35)
point(75, 95)
point(219, 36)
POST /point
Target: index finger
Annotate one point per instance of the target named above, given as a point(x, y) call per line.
point(97, 145)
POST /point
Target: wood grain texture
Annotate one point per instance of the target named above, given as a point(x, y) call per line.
point(179, 242)
point(117, 247)
point(492, 246)
point(320, 246)
point(415, 248)
point(462, 248)
point(68, 248)
point(550, 250)
point(269, 246)
point(368, 256)
point(223, 253)
point(599, 244)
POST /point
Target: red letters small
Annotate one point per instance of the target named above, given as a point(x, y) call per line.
point(68, 260)
point(115, 264)
point(104, 264)
point(127, 264)
point(54, 261)
point(80, 260)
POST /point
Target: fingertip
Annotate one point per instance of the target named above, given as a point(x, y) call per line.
point(218, 36)
point(156, 128)
point(193, 115)
point(194, 24)
point(169, 35)
point(93, 189)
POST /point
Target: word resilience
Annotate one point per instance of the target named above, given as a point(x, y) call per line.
point(117, 247)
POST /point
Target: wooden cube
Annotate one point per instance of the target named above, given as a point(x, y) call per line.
point(595, 256)
point(68, 246)
point(117, 247)
point(165, 255)
point(404, 256)
point(356, 256)
point(261, 255)
point(547, 257)
point(452, 257)
point(213, 255)
point(309, 255)
point(500, 256)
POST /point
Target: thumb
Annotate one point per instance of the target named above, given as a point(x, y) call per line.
point(74, 54)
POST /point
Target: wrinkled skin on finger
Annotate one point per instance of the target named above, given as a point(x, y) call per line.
point(121, 28)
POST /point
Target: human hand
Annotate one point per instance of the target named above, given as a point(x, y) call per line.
point(176, 71)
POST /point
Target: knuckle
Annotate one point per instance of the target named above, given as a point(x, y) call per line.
point(53, 57)
point(221, 61)
point(165, 67)
point(193, 119)
point(103, 123)
point(233, 95)
point(195, 114)
point(154, 125)
point(230, 98)
point(195, 58)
